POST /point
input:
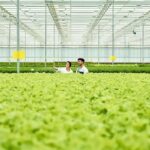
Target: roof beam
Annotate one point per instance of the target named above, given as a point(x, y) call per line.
point(99, 17)
point(135, 23)
point(101, 2)
point(85, 2)
point(10, 17)
point(54, 15)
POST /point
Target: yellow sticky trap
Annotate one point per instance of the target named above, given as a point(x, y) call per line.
point(19, 55)
point(112, 58)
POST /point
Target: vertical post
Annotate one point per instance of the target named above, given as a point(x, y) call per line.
point(54, 46)
point(58, 57)
point(125, 44)
point(143, 43)
point(45, 35)
point(61, 49)
point(25, 41)
point(34, 52)
point(9, 42)
point(113, 32)
point(91, 46)
point(70, 17)
point(18, 34)
point(128, 52)
point(59, 45)
point(98, 44)
point(84, 51)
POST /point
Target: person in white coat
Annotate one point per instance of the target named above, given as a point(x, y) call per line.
point(66, 69)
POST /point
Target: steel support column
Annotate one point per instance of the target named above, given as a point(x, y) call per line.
point(113, 32)
point(91, 46)
point(9, 41)
point(54, 46)
point(98, 44)
point(143, 43)
point(45, 35)
point(18, 34)
point(61, 51)
point(34, 51)
point(25, 41)
point(125, 45)
point(129, 52)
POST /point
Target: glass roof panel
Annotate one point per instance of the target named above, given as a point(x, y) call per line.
point(75, 22)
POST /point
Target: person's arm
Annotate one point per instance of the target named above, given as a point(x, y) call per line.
point(57, 69)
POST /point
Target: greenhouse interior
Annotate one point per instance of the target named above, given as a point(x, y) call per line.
point(75, 74)
point(100, 31)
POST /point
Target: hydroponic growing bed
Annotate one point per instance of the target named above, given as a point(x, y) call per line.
point(75, 112)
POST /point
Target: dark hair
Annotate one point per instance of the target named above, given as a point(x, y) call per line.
point(70, 64)
point(81, 59)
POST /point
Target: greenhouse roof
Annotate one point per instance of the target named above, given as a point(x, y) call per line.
point(76, 22)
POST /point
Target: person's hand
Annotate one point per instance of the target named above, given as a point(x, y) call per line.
point(55, 68)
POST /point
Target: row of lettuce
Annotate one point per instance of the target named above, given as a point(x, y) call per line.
point(74, 64)
point(92, 112)
point(93, 68)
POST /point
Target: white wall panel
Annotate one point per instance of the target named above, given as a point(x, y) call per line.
point(90, 54)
